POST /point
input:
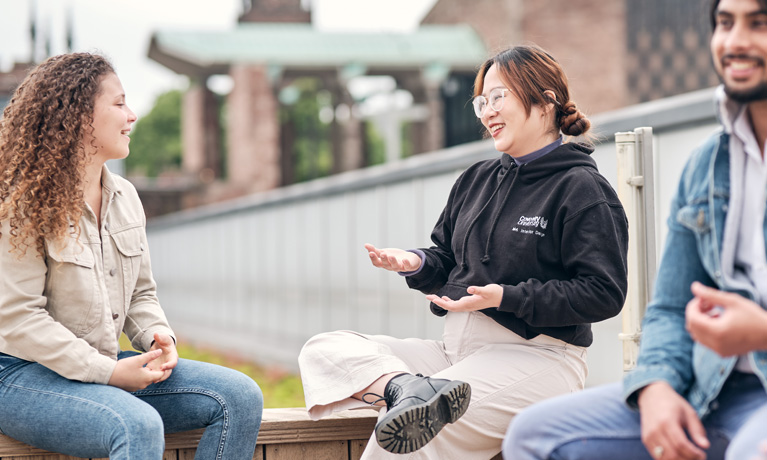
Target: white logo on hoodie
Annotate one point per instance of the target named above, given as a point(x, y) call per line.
point(534, 222)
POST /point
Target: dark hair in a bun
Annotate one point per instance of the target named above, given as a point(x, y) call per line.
point(572, 121)
point(530, 72)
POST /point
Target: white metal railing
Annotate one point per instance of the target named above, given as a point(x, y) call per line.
point(636, 189)
point(262, 274)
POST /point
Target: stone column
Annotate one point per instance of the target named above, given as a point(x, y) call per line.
point(254, 132)
point(347, 137)
point(346, 130)
point(429, 134)
point(201, 133)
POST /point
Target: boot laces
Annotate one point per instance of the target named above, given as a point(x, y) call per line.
point(391, 396)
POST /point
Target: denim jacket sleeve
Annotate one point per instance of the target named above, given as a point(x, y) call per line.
point(666, 349)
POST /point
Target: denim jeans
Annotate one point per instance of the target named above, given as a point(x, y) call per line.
point(597, 424)
point(46, 410)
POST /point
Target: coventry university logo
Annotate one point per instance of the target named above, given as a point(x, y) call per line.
point(536, 221)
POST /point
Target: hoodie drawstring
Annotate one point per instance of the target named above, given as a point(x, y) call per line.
point(485, 259)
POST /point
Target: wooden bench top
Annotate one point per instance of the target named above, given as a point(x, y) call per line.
point(278, 426)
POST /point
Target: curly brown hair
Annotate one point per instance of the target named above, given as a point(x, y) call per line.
point(42, 156)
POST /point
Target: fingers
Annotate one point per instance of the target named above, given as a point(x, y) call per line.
point(164, 377)
point(145, 358)
point(392, 259)
point(711, 295)
point(163, 340)
point(695, 429)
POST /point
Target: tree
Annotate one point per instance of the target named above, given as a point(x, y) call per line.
point(155, 144)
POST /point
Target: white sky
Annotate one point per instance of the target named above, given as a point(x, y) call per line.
point(121, 29)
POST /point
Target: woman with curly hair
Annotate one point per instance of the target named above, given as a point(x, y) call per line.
point(75, 273)
point(528, 252)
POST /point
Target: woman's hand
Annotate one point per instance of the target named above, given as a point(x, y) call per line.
point(167, 360)
point(133, 374)
point(393, 259)
point(479, 298)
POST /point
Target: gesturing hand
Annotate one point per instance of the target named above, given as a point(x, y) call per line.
point(168, 359)
point(132, 374)
point(725, 322)
point(393, 259)
point(480, 297)
point(666, 419)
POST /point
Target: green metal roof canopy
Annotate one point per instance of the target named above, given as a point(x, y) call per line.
point(301, 47)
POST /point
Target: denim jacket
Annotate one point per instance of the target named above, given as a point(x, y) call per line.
point(66, 309)
point(692, 253)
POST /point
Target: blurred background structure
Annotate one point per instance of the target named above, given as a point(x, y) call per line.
point(276, 99)
point(290, 144)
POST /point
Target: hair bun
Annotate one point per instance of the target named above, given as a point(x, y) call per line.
point(571, 121)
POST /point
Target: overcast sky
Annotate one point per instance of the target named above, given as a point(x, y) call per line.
point(121, 29)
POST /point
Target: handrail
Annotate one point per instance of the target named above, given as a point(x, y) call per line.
point(635, 187)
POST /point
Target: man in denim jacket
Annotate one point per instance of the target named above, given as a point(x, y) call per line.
point(698, 391)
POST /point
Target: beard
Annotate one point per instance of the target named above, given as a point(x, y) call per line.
point(745, 96)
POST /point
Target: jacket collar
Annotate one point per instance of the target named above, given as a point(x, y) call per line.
point(109, 184)
point(727, 110)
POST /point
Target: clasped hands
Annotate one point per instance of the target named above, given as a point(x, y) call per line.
point(397, 260)
point(140, 371)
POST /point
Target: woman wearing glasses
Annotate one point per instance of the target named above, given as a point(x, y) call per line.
point(529, 250)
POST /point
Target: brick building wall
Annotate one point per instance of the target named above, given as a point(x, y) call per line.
point(588, 38)
point(614, 52)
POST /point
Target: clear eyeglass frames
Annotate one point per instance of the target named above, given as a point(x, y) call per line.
point(494, 100)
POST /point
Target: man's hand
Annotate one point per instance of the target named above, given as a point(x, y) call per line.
point(666, 419)
point(726, 322)
point(479, 298)
point(167, 360)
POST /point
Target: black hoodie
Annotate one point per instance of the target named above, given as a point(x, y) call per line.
point(551, 232)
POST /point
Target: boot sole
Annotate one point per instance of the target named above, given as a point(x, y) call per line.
point(415, 426)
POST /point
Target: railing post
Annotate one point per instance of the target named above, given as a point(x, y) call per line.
point(635, 187)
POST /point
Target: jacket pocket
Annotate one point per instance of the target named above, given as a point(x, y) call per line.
point(130, 246)
point(70, 287)
point(695, 218)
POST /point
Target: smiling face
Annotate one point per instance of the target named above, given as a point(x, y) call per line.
point(739, 48)
point(112, 121)
point(513, 131)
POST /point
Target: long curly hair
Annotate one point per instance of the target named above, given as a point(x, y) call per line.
point(42, 156)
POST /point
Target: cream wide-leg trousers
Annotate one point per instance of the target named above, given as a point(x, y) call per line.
point(506, 372)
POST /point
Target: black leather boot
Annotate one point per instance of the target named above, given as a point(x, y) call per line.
point(418, 408)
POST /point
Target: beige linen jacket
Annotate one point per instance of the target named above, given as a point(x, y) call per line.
point(66, 309)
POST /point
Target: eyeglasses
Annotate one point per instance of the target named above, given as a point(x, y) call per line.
point(494, 100)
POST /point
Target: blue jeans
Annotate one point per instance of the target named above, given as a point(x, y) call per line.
point(46, 410)
point(597, 424)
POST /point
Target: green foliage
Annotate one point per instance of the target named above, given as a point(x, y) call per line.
point(280, 388)
point(406, 136)
point(375, 148)
point(311, 153)
point(155, 144)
